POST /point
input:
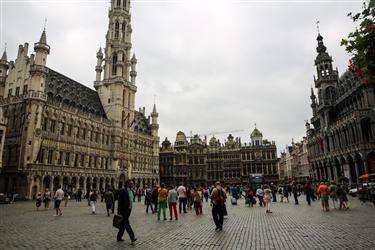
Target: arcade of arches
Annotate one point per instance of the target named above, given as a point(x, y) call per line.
point(347, 167)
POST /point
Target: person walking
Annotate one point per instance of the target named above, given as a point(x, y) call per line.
point(66, 198)
point(109, 200)
point(38, 200)
point(218, 197)
point(172, 202)
point(79, 195)
point(124, 208)
point(274, 192)
point(47, 198)
point(162, 201)
point(343, 199)
point(59, 196)
point(197, 202)
point(285, 194)
point(267, 198)
point(323, 190)
point(295, 193)
point(309, 191)
point(260, 194)
point(115, 194)
point(155, 197)
point(139, 194)
point(93, 198)
point(333, 194)
point(182, 198)
point(148, 200)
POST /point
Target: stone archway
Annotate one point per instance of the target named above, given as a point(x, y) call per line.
point(46, 182)
point(73, 184)
point(81, 183)
point(107, 183)
point(337, 167)
point(56, 183)
point(101, 183)
point(113, 182)
point(121, 180)
point(34, 191)
point(360, 165)
point(88, 184)
point(65, 185)
point(353, 172)
point(371, 162)
point(95, 183)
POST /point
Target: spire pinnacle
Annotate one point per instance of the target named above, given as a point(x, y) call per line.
point(43, 37)
point(4, 56)
point(154, 109)
point(134, 59)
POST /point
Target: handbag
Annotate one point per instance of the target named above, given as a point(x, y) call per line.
point(117, 220)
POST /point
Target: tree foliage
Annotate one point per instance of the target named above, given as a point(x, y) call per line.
point(360, 44)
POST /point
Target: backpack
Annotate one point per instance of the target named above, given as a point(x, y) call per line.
point(220, 199)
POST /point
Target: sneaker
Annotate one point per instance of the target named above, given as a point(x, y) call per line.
point(120, 239)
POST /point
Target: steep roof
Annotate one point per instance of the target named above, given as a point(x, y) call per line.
point(61, 88)
point(141, 123)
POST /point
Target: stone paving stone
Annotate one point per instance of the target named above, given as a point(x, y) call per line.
point(288, 227)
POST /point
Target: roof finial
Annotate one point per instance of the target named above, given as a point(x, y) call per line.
point(317, 25)
point(255, 125)
point(45, 23)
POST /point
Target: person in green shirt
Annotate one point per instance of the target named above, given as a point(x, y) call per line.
point(333, 193)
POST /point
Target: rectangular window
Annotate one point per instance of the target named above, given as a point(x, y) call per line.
point(60, 158)
point(69, 130)
point(52, 128)
point(82, 160)
point(25, 89)
point(75, 160)
point(17, 91)
point(67, 158)
point(90, 161)
point(62, 132)
point(45, 124)
point(50, 153)
point(84, 133)
point(9, 92)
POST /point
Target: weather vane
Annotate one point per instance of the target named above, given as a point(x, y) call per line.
point(45, 23)
point(317, 26)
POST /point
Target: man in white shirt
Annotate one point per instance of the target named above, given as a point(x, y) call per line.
point(182, 199)
point(59, 195)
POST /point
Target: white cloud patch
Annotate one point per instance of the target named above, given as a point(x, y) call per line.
point(213, 65)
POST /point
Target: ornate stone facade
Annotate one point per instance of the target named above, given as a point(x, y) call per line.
point(61, 132)
point(342, 141)
point(199, 163)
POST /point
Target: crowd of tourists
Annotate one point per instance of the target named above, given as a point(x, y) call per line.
point(180, 199)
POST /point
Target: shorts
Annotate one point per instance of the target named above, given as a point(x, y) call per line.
point(108, 206)
point(57, 204)
point(324, 197)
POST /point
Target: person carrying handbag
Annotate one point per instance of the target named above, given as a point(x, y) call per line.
point(124, 208)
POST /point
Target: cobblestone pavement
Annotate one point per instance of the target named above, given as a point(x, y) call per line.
point(288, 227)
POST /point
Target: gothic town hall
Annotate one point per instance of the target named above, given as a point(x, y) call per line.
point(58, 131)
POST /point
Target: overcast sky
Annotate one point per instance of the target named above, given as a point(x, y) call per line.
point(214, 66)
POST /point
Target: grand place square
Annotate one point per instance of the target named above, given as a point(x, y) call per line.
point(187, 124)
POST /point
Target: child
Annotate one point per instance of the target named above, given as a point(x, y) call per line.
point(267, 198)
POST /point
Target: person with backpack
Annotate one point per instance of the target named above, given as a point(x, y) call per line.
point(93, 198)
point(218, 197)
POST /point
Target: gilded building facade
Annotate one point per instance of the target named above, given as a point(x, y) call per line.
point(197, 162)
point(62, 132)
point(341, 141)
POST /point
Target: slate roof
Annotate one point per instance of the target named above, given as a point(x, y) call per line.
point(141, 123)
point(61, 88)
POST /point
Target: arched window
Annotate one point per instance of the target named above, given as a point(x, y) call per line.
point(117, 28)
point(118, 4)
point(123, 30)
point(114, 62)
point(124, 4)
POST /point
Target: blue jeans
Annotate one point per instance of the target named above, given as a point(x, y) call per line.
point(308, 198)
